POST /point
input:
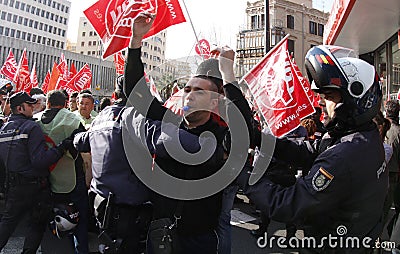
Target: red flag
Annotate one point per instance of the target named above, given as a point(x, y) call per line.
point(63, 67)
point(54, 76)
point(80, 81)
point(119, 62)
point(22, 77)
point(304, 82)
point(278, 92)
point(174, 103)
point(33, 77)
point(9, 67)
point(72, 71)
point(113, 19)
point(203, 48)
point(46, 82)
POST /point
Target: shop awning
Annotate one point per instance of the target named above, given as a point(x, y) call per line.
point(363, 25)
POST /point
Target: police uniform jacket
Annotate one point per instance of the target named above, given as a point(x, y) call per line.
point(23, 149)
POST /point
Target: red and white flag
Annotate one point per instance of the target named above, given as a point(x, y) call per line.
point(174, 103)
point(63, 67)
point(54, 76)
point(119, 62)
point(203, 48)
point(46, 82)
point(278, 92)
point(153, 89)
point(113, 19)
point(9, 67)
point(34, 79)
point(22, 77)
point(80, 81)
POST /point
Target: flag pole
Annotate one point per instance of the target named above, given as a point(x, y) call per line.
point(191, 23)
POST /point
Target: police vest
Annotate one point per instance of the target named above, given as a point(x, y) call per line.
point(63, 177)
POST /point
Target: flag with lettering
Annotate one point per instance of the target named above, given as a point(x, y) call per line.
point(22, 77)
point(46, 82)
point(119, 62)
point(278, 92)
point(80, 81)
point(113, 19)
point(174, 103)
point(63, 67)
point(34, 79)
point(9, 67)
point(203, 48)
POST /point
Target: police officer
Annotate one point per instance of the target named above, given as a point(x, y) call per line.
point(24, 153)
point(344, 192)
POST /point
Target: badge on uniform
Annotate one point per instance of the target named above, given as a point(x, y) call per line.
point(321, 179)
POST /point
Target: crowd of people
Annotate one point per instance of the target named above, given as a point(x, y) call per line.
point(73, 169)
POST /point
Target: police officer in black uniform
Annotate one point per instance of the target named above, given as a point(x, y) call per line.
point(24, 153)
point(344, 192)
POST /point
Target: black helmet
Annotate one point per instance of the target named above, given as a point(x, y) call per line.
point(66, 218)
point(356, 80)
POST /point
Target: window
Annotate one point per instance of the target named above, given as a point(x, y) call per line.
point(47, 14)
point(23, 35)
point(11, 3)
point(84, 23)
point(82, 44)
point(22, 6)
point(1, 30)
point(83, 34)
point(93, 52)
point(290, 21)
point(34, 37)
point(30, 23)
point(9, 16)
point(18, 34)
point(25, 22)
point(88, 53)
point(291, 46)
point(62, 7)
point(90, 43)
point(63, 33)
point(255, 22)
point(5, 2)
point(6, 31)
point(90, 33)
point(81, 52)
point(12, 34)
point(28, 36)
point(52, 16)
point(49, 2)
point(38, 11)
point(28, 8)
point(40, 26)
point(56, 18)
point(20, 20)
point(42, 13)
point(3, 15)
point(36, 25)
point(15, 17)
point(33, 9)
point(313, 27)
point(62, 45)
point(320, 30)
point(94, 43)
point(17, 5)
point(66, 9)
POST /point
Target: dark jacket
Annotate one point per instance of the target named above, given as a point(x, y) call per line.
point(346, 186)
point(393, 139)
point(23, 148)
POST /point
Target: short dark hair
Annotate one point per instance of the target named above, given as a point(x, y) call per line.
point(85, 91)
point(104, 102)
point(392, 109)
point(74, 95)
point(56, 98)
point(35, 90)
point(86, 95)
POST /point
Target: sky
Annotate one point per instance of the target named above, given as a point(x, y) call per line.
point(218, 21)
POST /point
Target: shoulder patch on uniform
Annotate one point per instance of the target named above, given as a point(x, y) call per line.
point(321, 179)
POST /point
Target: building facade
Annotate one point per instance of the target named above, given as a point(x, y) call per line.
point(37, 21)
point(296, 17)
point(372, 29)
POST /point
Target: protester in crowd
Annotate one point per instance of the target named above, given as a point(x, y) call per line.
point(67, 178)
point(85, 103)
point(72, 104)
point(393, 139)
point(93, 113)
point(40, 105)
point(5, 106)
point(347, 183)
point(198, 219)
point(104, 103)
point(27, 159)
point(383, 125)
point(35, 90)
